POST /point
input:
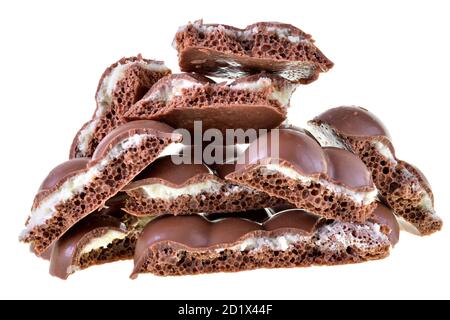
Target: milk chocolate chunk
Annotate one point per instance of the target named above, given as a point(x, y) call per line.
point(184, 245)
point(94, 240)
point(404, 187)
point(121, 85)
point(79, 187)
point(291, 165)
point(254, 102)
point(224, 51)
point(181, 189)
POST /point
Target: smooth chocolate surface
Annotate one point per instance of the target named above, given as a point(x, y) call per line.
point(164, 171)
point(385, 216)
point(353, 122)
point(62, 171)
point(346, 167)
point(129, 129)
point(197, 232)
point(306, 156)
point(67, 248)
point(295, 147)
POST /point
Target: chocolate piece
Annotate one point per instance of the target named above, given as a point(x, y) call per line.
point(224, 51)
point(259, 215)
point(402, 186)
point(180, 189)
point(120, 86)
point(329, 182)
point(122, 154)
point(46, 255)
point(105, 236)
point(385, 217)
point(183, 245)
point(254, 102)
point(95, 240)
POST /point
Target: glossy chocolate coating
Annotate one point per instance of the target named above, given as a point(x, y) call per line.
point(346, 167)
point(164, 171)
point(68, 246)
point(129, 129)
point(197, 232)
point(385, 216)
point(63, 171)
point(306, 156)
point(295, 147)
point(353, 122)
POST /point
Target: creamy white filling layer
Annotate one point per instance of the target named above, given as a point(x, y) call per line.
point(280, 243)
point(363, 198)
point(77, 183)
point(337, 236)
point(104, 96)
point(160, 191)
point(103, 241)
point(176, 87)
point(282, 96)
point(384, 150)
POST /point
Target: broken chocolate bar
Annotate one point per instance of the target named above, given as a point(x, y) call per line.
point(254, 102)
point(120, 86)
point(166, 187)
point(77, 187)
point(103, 237)
point(182, 245)
point(224, 51)
point(404, 187)
point(291, 165)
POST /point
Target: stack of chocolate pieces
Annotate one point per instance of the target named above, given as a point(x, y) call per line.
point(142, 182)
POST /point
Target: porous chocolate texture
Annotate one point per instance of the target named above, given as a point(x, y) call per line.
point(254, 102)
point(182, 189)
point(95, 240)
point(120, 86)
point(402, 186)
point(291, 165)
point(225, 51)
point(184, 245)
point(78, 187)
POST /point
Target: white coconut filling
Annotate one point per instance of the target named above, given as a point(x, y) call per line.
point(337, 237)
point(362, 197)
point(160, 191)
point(104, 96)
point(77, 183)
point(102, 242)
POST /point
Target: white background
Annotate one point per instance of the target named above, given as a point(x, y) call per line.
point(391, 57)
